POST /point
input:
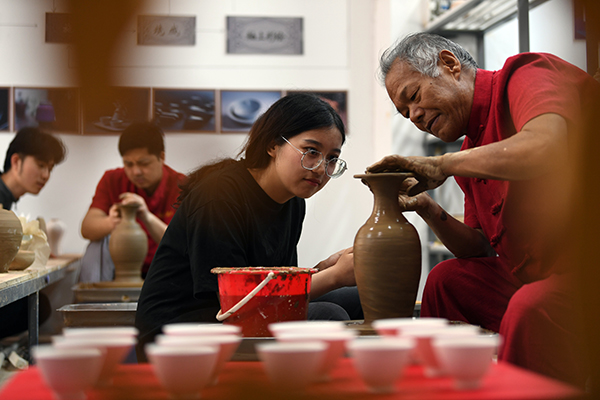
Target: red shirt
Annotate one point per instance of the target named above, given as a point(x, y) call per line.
point(160, 203)
point(513, 214)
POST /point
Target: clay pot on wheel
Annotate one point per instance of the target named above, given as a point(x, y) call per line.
point(128, 246)
point(387, 253)
point(11, 234)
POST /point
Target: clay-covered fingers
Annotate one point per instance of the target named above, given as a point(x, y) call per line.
point(393, 163)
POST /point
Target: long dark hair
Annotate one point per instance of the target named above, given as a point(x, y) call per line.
point(289, 116)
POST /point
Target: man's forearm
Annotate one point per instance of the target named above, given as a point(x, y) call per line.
point(462, 240)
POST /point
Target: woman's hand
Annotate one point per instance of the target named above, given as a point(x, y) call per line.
point(335, 272)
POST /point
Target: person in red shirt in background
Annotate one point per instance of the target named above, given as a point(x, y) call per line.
point(145, 180)
point(512, 273)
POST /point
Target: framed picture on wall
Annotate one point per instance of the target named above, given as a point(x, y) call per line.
point(265, 35)
point(52, 109)
point(185, 110)
point(166, 30)
point(115, 109)
point(337, 99)
point(4, 109)
point(240, 108)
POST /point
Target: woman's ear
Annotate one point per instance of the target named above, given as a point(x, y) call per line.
point(272, 149)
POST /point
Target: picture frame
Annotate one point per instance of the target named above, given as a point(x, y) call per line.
point(338, 99)
point(115, 109)
point(51, 109)
point(4, 109)
point(185, 110)
point(166, 30)
point(241, 108)
point(265, 35)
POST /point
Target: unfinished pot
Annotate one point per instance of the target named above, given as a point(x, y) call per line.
point(11, 234)
point(387, 253)
point(128, 246)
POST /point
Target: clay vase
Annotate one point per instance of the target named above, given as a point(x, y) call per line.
point(387, 253)
point(128, 246)
point(11, 234)
point(55, 229)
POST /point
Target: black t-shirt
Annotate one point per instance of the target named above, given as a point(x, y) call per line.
point(227, 220)
point(6, 197)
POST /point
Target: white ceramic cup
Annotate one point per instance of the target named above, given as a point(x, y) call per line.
point(115, 349)
point(197, 329)
point(291, 366)
point(336, 347)
point(68, 372)
point(183, 371)
point(226, 345)
point(466, 359)
point(380, 361)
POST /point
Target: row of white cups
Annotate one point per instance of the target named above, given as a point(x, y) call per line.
point(187, 357)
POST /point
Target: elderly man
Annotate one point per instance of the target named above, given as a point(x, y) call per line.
point(510, 273)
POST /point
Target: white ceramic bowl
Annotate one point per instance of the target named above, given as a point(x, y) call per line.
point(306, 326)
point(108, 331)
point(380, 361)
point(183, 371)
point(68, 372)
point(424, 352)
point(336, 347)
point(196, 329)
point(226, 345)
point(115, 349)
point(395, 326)
point(291, 366)
point(466, 359)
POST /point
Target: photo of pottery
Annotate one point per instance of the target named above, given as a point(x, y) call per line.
point(115, 110)
point(51, 109)
point(239, 109)
point(176, 110)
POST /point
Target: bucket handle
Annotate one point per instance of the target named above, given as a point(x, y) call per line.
point(240, 304)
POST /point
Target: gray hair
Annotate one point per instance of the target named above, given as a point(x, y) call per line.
point(421, 51)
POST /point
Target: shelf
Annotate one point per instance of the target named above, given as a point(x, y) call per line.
point(477, 15)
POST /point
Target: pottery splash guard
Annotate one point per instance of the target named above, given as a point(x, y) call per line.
point(254, 297)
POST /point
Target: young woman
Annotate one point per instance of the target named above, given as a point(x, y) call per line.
point(248, 213)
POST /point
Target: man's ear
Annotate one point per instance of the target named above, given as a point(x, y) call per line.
point(15, 161)
point(161, 157)
point(450, 62)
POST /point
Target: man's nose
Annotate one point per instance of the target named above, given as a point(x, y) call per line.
point(416, 114)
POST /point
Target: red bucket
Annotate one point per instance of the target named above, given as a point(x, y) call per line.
point(254, 297)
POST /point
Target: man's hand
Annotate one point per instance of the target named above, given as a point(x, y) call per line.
point(114, 216)
point(132, 198)
point(427, 170)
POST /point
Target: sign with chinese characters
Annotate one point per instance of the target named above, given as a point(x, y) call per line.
point(264, 35)
point(166, 30)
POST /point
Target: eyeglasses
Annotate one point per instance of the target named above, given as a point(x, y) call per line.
point(311, 159)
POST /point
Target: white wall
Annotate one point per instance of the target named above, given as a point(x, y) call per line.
point(551, 30)
point(338, 55)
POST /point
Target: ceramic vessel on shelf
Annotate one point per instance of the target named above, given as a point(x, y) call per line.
point(23, 259)
point(387, 252)
point(11, 234)
point(55, 229)
point(128, 245)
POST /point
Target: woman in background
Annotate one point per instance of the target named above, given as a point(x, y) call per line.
point(249, 213)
